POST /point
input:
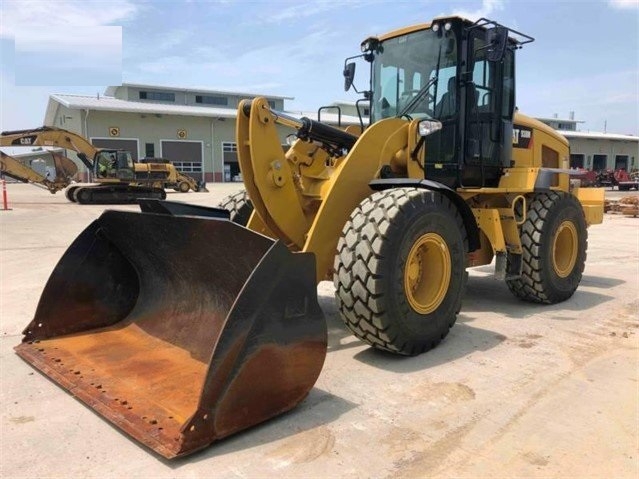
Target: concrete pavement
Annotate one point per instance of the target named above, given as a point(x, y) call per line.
point(515, 389)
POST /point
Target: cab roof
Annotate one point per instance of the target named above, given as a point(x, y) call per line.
point(424, 26)
point(416, 28)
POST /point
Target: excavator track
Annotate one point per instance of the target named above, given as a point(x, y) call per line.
point(115, 194)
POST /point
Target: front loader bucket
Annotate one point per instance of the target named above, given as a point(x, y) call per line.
point(180, 330)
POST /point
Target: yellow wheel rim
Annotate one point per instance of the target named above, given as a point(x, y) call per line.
point(427, 273)
point(564, 249)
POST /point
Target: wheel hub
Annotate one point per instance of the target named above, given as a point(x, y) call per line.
point(564, 250)
point(427, 273)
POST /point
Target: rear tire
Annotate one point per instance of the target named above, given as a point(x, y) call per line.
point(240, 207)
point(554, 240)
point(400, 270)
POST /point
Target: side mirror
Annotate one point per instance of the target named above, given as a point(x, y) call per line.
point(349, 75)
point(497, 39)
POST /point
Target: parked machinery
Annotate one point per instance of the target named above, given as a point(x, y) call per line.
point(116, 177)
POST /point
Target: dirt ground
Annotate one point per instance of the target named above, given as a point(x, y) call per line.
point(515, 390)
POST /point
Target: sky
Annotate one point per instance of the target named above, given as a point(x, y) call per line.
point(585, 58)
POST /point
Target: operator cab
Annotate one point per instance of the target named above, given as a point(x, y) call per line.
point(458, 76)
point(115, 164)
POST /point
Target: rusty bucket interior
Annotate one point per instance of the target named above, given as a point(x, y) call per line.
point(180, 330)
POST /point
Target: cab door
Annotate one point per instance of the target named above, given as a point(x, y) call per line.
point(489, 97)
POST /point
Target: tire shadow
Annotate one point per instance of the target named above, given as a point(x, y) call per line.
point(462, 340)
point(486, 294)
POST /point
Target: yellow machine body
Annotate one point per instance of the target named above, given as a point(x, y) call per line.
point(304, 196)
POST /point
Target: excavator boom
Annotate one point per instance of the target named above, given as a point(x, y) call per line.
point(50, 136)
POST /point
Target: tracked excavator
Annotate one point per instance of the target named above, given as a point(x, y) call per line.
point(215, 327)
point(117, 178)
point(65, 169)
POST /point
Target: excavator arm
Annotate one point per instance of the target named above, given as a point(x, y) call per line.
point(50, 136)
point(65, 169)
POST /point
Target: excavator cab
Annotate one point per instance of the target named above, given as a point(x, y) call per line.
point(116, 164)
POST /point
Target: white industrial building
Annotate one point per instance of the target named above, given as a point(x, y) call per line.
point(597, 151)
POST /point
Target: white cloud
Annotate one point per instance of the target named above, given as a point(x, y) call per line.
point(624, 4)
point(488, 7)
point(234, 69)
point(16, 15)
point(304, 10)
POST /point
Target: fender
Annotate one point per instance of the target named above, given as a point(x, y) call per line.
point(466, 213)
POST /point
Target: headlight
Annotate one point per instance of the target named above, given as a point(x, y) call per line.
point(428, 127)
point(448, 26)
point(435, 27)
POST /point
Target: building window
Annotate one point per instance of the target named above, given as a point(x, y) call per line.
point(271, 103)
point(157, 95)
point(576, 160)
point(188, 166)
point(599, 162)
point(621, 162)
point(149, 150)
point(212, 100)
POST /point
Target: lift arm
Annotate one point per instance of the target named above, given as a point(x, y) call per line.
point(305, 196)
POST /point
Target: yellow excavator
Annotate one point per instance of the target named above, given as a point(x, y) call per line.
point(65, 170)
point(117, 178)
point(182, 327)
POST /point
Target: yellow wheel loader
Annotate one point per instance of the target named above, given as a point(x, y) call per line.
point(181, 326)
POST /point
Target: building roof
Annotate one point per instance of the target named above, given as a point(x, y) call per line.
point(108, 103)
point(598, 135)
point(110, 91)
point(562, 120)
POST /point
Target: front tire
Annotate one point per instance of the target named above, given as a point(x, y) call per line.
point(554, 240)
point(400, 269)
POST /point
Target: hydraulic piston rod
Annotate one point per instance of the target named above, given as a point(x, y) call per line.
point(311, 130)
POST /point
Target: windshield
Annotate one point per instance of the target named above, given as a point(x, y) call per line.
point(405, 65)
